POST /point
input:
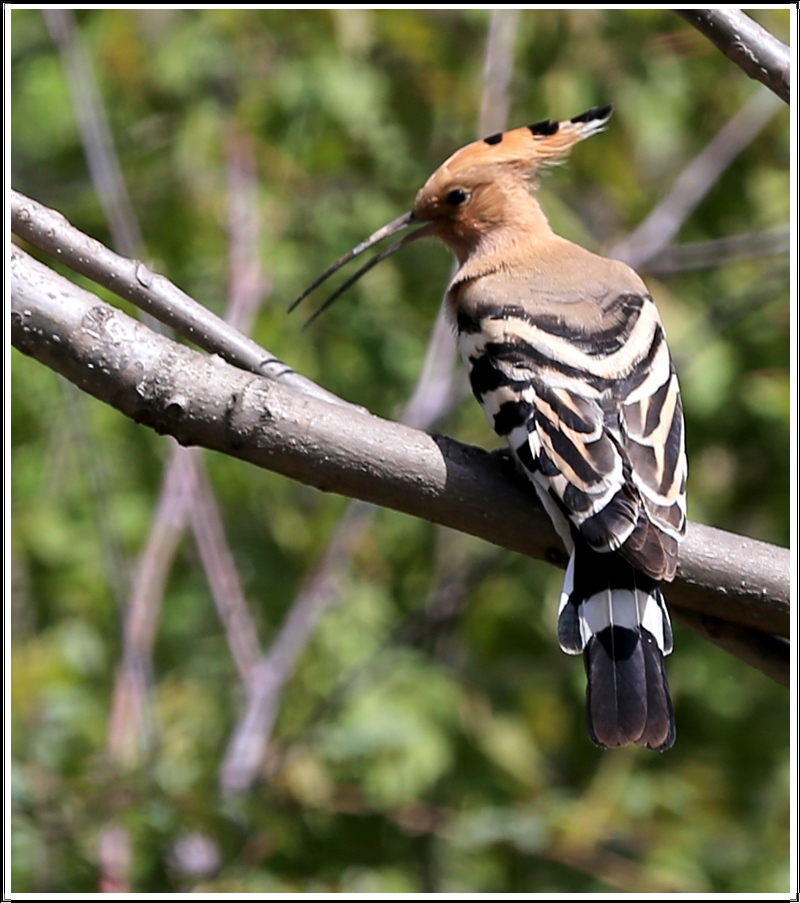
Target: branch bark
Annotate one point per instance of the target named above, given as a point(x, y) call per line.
point(761, 55)
point(50, 231)
point(203, 401)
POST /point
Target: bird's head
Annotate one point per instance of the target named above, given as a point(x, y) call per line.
point(485, 186)
point(488, 184)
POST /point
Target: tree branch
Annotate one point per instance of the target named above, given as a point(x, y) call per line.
point(761, 55)
point(50, 231)
point(204, 401)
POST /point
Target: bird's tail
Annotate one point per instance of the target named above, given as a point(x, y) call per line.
point(615, 615)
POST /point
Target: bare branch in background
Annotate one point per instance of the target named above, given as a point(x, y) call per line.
point(498, 69)
point(247, 284)
point(98, 144)
point(187, 499)
point(760, 54)
point(247, 747)
point(700, 255)
point(697, 178)
point(223, 578)
point(432, 397)
point(131, 723)
point(131, 730)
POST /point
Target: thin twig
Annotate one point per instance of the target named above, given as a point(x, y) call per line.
point(195, 504)
point(131, 731)
point(701, 255)
point(131, 711)
point(247, 285)
point(247, 746)
point(757, 52)
point(498, 68)
point(50, 231)
point(697, 178)
point(223, 577)
point(98, 144)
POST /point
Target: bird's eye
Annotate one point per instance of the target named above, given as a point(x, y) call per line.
point(457, 197)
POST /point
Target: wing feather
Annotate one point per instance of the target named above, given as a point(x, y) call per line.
point(600, 414)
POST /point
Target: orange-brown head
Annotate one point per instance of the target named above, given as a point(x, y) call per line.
point(478, 193)
point(489, 185)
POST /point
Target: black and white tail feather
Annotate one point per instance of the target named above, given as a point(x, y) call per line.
point(616, 617)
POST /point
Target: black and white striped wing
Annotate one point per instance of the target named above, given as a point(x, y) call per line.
point(595, 420)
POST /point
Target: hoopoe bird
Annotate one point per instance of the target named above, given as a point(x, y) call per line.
point(567, 356)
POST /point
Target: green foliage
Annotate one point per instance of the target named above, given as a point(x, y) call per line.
point(426, 741)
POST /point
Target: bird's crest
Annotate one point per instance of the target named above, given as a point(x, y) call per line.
point(533, 146)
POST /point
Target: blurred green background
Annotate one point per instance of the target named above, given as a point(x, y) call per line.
point(432, 736)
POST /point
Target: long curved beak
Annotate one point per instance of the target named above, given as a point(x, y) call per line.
point(402, 222)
